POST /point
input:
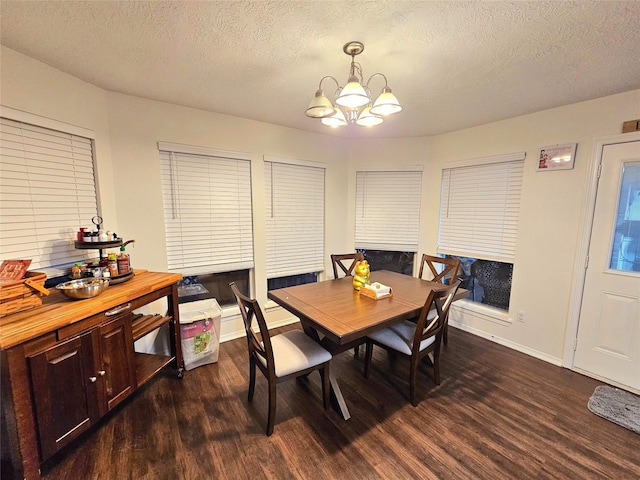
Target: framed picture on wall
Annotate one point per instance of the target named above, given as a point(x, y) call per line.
point(557, 157)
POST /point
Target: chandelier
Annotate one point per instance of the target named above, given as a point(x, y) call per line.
point(352, 103)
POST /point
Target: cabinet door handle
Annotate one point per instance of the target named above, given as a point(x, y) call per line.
point(101, 373)
point(117, 310)
point(93, 379)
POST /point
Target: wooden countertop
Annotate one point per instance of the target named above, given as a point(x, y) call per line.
point(59, 311)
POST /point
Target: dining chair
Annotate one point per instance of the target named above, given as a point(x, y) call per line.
point(443, 270)
point(340, 262)
point(416, 340)
point(279, 357)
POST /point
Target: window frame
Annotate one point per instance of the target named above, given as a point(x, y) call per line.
point(65, 252)
point(303, 225)
point(469, 307)
point(488, 248)
point(240, 226)
point(374, 188)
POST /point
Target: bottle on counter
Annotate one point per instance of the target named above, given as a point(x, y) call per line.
point(113, 264)
point(80, 234)
point(76, 271)
point(124, 265)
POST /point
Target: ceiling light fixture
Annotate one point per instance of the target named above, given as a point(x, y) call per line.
point(352, 103)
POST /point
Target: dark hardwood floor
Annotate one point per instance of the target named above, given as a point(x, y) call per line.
point(497, 414)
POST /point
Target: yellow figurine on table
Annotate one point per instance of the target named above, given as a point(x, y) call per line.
point(361, 274)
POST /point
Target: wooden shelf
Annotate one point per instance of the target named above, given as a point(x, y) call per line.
point(144, 324)
point(147, 365)
point(98, 245)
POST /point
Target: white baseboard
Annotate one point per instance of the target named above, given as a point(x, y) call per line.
point(508, 343)
point(607, 381)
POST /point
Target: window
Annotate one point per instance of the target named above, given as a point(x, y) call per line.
point(388, 210)
point(401, 262)
point(213, 285)
point(207, 209)
point(291, 281)
point(294, 210)
point(488, 282)
point(48, 191)
point(625, 254)
point(479, 209)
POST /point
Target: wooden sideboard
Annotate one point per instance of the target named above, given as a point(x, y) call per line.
point(67, 363)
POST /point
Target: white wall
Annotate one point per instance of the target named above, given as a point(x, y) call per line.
point(137, 125)
point(128, 129)
point(551, 208)
point(38, 89)
point(128, 165)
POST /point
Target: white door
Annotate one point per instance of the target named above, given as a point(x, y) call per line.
point(608, 343)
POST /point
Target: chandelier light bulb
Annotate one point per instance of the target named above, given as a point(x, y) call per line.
point(335, 120)
point(386, 103)
point(368, 119)
point(320, 106)
point(353, 95)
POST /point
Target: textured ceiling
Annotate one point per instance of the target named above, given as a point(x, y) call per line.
point(452, 64)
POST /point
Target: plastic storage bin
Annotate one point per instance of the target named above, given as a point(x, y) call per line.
point(200, 332)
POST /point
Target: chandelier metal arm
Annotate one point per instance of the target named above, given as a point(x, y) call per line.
point(338, 87)
point(386, 84)
point(332, 78)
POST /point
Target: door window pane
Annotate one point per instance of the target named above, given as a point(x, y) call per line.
point(625, 254)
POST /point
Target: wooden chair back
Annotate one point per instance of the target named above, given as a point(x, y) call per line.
point(430, 325)
point(443, 270)
point(338, 261)
point(427, 336)
point(258, 347)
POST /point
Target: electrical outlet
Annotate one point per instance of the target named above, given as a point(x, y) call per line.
point(522, 316)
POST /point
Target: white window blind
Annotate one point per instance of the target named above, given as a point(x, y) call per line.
point(47, 192)
point(207, 209)
point(479, 209)
point(388, 210)
point(294, 210)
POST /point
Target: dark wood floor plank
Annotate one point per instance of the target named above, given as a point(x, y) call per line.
point(497, 414)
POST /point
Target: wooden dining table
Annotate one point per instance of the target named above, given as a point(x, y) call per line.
point(339, 317)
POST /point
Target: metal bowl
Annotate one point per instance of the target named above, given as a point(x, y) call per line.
point(84, 288)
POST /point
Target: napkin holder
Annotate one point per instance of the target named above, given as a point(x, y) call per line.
point(376, 291)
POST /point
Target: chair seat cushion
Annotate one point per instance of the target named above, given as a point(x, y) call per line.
point(294, 351)
point(399, 337)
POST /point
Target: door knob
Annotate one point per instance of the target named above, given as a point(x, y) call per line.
point(93, 379)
